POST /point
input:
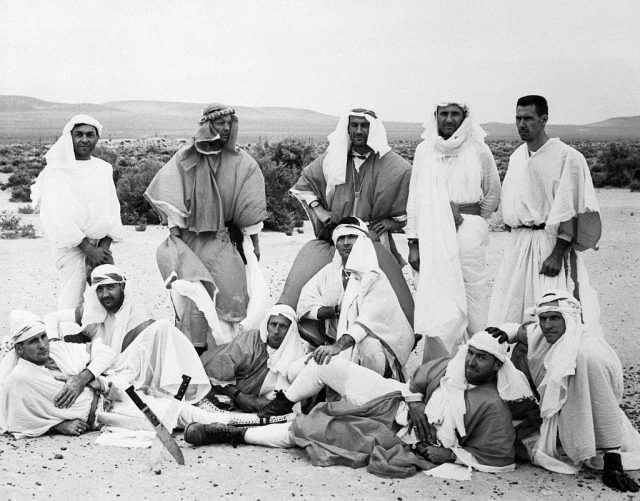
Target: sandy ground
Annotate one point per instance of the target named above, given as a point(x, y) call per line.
point(56, 467)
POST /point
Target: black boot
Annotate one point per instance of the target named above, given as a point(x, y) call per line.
point(206, 434)
point(614, 476)
point(279, 406)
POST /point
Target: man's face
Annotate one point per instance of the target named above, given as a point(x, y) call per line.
point(344, 245)
point(530, 125)
point(358, 131)
point(110, 296)
point(222, 126)
point(449, 118)
point(552, 325)
point(85, 138)
point(480, 366)
point(277, 328)
point(35, 349)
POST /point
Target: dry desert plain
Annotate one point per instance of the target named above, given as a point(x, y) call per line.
point(62, 468)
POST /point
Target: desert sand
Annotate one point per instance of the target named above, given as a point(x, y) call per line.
point(58, 467)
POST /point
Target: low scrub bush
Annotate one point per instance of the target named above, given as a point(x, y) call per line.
point(11, 227)
point(21, 193)
point(26, 209)
point(132, 183)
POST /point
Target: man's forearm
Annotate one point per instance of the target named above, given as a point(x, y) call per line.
point(345, 342)
point(561, 246)
point(105, 243)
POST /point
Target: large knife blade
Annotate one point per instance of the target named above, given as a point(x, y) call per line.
point(164, 436)
point(169, 417)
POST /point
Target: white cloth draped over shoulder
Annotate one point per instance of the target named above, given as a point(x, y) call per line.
point(579, 379)
point(335, 162)
point(550, 186)
point(292, 348)
point(460, 169)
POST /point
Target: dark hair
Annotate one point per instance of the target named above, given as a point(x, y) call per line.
point(540, 103)
point(350, 220)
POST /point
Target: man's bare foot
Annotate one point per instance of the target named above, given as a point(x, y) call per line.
point(73, 427)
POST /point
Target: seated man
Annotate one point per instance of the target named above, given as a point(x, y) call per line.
point(251, 367)
point(358, 305)
point(579, 379)
point(455, 406)
point(51, 386)
point(112, 315)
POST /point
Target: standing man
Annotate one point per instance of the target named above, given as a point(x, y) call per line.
point(357, 176)
point(79, 207)
point(455, 187)
point(550, 207)
point(212, 196)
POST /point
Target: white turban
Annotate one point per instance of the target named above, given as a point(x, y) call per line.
point(61, 154)
point(24, 325)
point(334, 165)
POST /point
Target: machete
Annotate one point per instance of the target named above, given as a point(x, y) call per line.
point(164, 436)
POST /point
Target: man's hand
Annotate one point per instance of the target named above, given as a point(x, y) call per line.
point(326, 312)
point(418, 421)
point(73, 387)
point(73, 427)
point(381, 226)
point(250, 403)
point(552, 265)
point(498, 333)
point(437, 454)
point(323, 354)
point(175, 231)
point(97, 255)
point(323, 214)
point(414, 257)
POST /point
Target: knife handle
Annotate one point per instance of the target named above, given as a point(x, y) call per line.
point(142, 406)
point(183, 387)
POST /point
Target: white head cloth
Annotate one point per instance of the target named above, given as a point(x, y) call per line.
point(362, 257)
point(467, 130)
point(447, 405)
point(560, 361)
point(291, 349)
point(94, 312)
point(23, 325)
point(61, 154)
point(334, 165)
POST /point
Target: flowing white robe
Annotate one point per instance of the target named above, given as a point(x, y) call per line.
point(77, 199)
point(552, 186)
point(451, 300)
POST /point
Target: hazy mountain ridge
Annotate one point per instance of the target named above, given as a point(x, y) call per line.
point(24, 117)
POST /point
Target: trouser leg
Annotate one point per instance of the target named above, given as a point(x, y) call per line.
point(271, 435)
point(72, 278)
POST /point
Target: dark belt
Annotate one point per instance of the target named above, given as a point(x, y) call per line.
point(473, 209)
point(532, 227)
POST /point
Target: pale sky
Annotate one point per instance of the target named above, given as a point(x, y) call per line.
point(396, 57)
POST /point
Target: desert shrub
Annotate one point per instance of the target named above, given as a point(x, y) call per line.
point(132, 183)
point(106, 154)
point(26, 209)
point(11, 227)
point(20, 193)
point(17, 179)
point(281, 165)
point(5, 168)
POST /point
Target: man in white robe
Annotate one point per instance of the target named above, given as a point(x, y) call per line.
point(358, 305)
point(579, 380)
point(454, 189)
point(51, 386)
point(549, 206)
point(150, 354)
point(455, 408)
point(79, 207)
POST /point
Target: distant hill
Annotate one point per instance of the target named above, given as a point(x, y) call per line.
point(23, 118)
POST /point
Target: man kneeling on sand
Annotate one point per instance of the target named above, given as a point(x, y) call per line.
point(456, 408)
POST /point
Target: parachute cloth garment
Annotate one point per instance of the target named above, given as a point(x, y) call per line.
point(370, 308)
point(77, 199)
point(446, 407)
point(204, 187)
point(579, 379)
point(552, 188)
